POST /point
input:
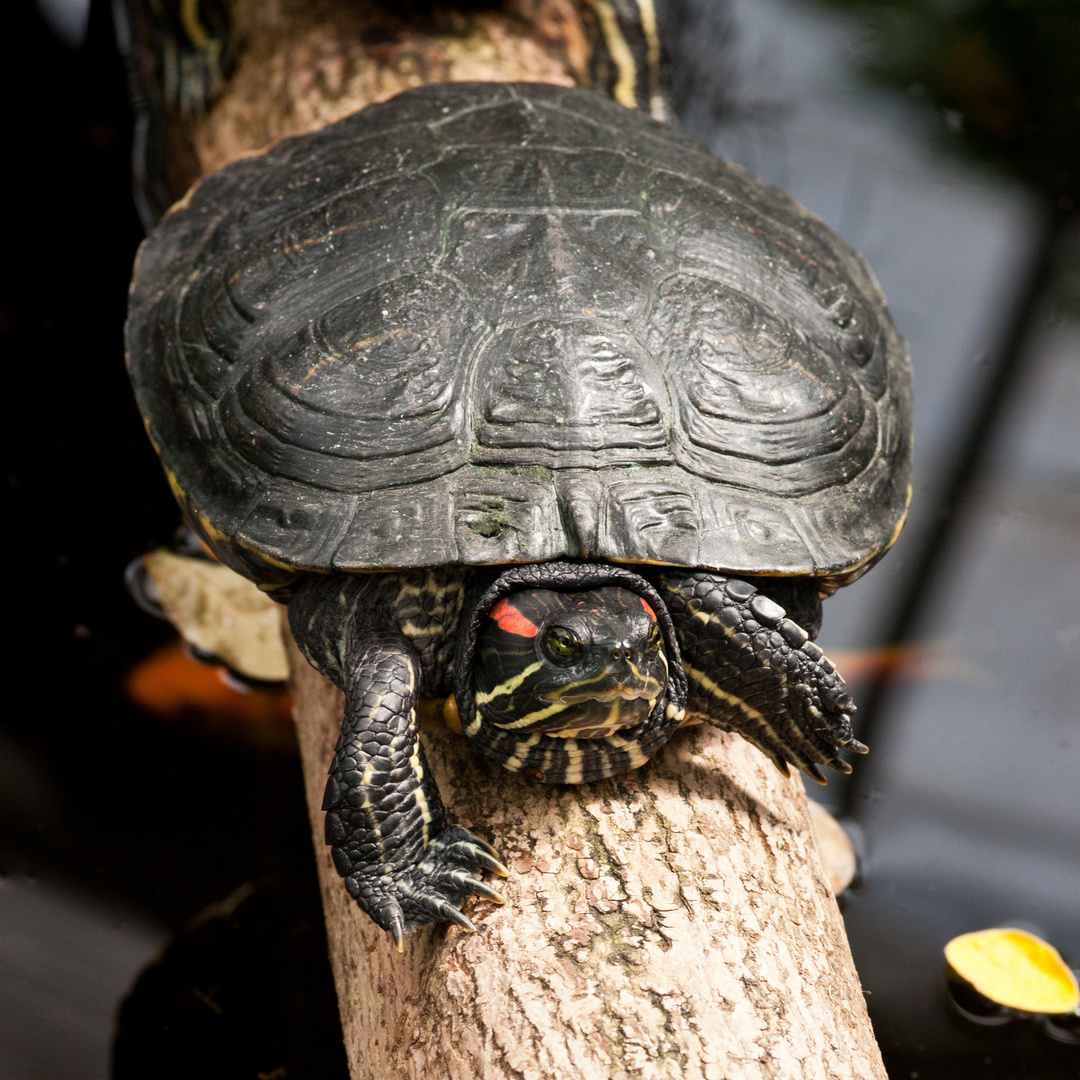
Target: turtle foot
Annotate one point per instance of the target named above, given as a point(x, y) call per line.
point(754, 670)
point(431, 890)
point(820, 714)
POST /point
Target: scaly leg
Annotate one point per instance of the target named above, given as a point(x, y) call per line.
point(754, 671)
point(385, 821)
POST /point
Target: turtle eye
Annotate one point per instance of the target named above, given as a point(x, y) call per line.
point(655, 639)
point(561, 644)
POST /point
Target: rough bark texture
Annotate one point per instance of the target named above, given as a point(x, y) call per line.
point(675, 922)
point(302, 64)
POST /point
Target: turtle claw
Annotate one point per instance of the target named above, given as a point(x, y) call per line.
point(397, 931)
point(391, 919)
point(479, 888)
point(489, 862)
point(453, 853)
point(470, 852)
point(474, 841)
point(431, 890)
point(449, 913)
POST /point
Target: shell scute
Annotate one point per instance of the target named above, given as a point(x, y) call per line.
point(515, 264)
point(305, 524)
point(660, 521)
point(403, 520)
point(375, 378)
point(358, 157)
point(537, 178)
point(363, 238)
point(212, 327)
point(569, 386)
point(715, 235)
point(758, 403)
point(499, 519)
point(508, 124)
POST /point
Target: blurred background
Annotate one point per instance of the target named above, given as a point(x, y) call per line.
point(152, 831)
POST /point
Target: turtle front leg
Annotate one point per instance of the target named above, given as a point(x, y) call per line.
point(385, 821)
point(754, 671)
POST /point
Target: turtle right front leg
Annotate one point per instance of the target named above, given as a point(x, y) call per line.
point(755, 671)
point(385, 821)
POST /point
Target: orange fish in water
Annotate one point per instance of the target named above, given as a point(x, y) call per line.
point(174, 686)
point(911, 660)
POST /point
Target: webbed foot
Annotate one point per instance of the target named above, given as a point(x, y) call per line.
point(433, 889)
point(755, 671)
point(385, 821)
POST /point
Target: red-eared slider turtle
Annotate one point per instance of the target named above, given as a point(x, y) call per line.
point(517, 395)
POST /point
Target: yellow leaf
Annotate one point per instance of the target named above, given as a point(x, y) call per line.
point(1016, 969)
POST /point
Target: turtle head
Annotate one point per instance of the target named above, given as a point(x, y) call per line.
point(570, 663)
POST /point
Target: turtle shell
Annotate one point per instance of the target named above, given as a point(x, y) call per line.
point(491, 323)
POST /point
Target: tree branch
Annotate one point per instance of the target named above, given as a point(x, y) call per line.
point(674, 922)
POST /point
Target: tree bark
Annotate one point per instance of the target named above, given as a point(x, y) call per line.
point(299, 65)
point(674, 922)
point(319, 62)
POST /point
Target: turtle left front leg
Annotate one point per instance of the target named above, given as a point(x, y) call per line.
point(754, 671)
point(385, 823)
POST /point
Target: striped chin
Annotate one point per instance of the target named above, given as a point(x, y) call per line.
point(591, 718)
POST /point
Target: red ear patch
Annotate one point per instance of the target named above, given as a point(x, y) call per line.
point(648, 609)
point(511, 620)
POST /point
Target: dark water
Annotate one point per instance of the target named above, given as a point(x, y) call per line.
point(116, 829)
point(968, 805)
